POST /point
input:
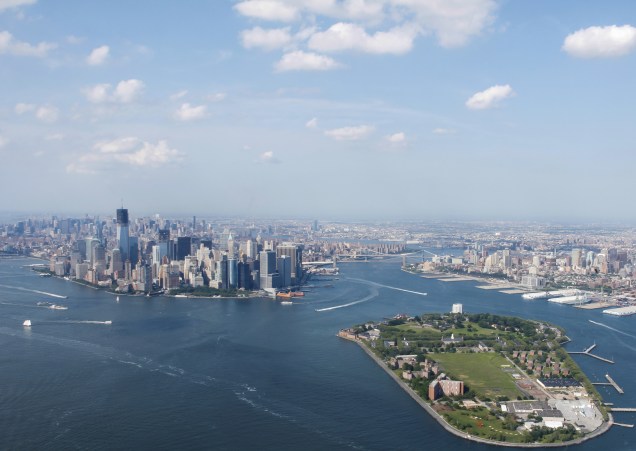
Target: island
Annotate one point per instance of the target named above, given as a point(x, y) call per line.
point(493, 379)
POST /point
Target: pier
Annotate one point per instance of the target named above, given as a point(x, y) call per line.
point(624, 425)
point(587, 352)
point(611, 382)
point(623, 409)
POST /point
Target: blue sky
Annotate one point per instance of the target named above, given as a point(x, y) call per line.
point(343, 109)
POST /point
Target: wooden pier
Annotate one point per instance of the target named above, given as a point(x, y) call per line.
point(587, 352)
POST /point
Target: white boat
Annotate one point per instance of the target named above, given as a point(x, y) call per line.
point(108, 322)
point(27, 323)
point(286, 303)
point(58, 307)
point(117, 298)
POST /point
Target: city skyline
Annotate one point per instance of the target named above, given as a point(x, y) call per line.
point(370, 110)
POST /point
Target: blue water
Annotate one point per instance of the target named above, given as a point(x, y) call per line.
point(250, 374)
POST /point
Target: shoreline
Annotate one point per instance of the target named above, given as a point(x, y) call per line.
point(437, 417)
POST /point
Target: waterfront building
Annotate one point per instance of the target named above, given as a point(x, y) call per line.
point(283, 266)
point(442, 386)
point(268, 269)
point(295, 253)
point(232, 269)
point(457, 308)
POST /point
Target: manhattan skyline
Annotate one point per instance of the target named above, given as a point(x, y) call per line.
point(387, 109)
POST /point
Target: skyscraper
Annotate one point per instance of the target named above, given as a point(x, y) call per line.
point(123, 240)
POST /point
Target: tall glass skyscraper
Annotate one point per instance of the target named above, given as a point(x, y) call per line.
point(123, 237)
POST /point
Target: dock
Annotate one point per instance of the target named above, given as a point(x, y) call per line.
point(587, 352)
point(616, 386)
point(624, 425)
point(623, 409)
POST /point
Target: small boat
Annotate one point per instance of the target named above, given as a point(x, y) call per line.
point(117, 299)
point(108, 322)
point(27, 323)
point(58, 307)
point(286, 303)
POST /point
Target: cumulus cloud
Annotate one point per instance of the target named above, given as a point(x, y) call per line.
point(350, 133)
point(307, 61)
point(21, 108)
point(453, 22)
point(126, 91)
point(6, 4)
point(349, 36)
point(98, 56)
point(11, 46)
point(397, 138)
point(490, 97)
point(273, 10)
point(601, 42)
point(267, 39)
point(125, 152)
point(47, 113)
point(312, 123)
point(189, 112)
point(268, 157)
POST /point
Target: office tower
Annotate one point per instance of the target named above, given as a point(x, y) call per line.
point(99, 254)
point(507, 259)
point(116, 265)
point(576, 257)
point(295, 253)
point(230, 246)
point(164, 235)
point(221, 273)
point(133, 254)
point(184, 247)
point(251, 249)
point(314, 226)
point(269, 276)
point(232, 268)
point(244, 276)
point(123, 240)
point(284, 268)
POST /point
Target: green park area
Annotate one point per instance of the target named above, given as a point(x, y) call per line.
point(483, 373)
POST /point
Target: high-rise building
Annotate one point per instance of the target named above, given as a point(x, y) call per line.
point(233, 276)
point(284, 268)
point(123, 237)
point(295, 253)
point(184, 247)
point(269, 276)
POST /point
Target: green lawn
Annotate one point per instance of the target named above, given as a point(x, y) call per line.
point(482, 372)
point(482, 423)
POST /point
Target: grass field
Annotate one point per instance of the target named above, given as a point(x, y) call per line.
point(482, 372)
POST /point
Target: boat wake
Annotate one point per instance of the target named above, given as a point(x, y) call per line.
point(53, 295)
point(374, 293)
point(375, 284)
point(611, 328)
point(108, 323)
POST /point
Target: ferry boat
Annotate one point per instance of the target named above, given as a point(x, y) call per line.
point(290, 294)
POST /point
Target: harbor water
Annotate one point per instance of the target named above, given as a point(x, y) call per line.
point(183, 373)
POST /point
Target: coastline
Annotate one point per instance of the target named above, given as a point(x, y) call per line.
point(437, 417)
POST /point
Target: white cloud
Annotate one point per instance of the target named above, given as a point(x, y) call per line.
point(268, 10)
point(349, 36)
point(349, 133)
point(268, 158)
point(125, 92)
point(98, 93)
point(179, 95)
point(21, 108)
point(47, 113)
point(13, 47)
point(312, 123)
point(601, 42)
point(189, 112)
point(397, 138)
point(6, 4)
point(98, 56)
point(453, 22)
point(267, 39)
point(490, 97)
point(443, 131)
point(125, 152)
point(299, 60)
point(72, 39)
